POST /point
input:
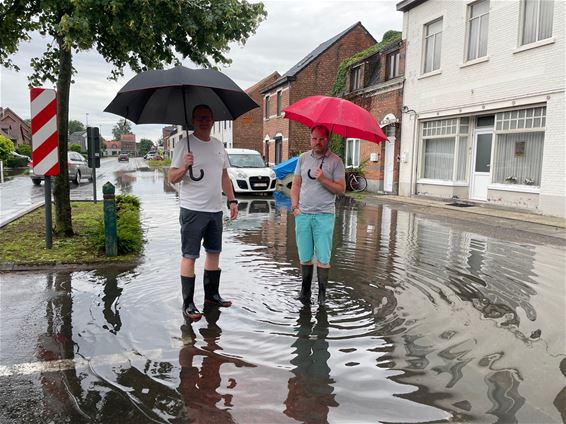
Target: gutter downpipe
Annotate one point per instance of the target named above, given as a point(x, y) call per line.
point(415, 156)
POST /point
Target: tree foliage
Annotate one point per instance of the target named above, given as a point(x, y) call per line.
point(75, 126)
point(145, 146)
point(140, 34)
point(75, 148)
point(6, 148)
point(121, 128)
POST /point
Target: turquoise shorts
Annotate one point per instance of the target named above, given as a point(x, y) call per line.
point(314, 236)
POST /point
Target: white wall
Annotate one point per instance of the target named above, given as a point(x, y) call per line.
point(510, 76)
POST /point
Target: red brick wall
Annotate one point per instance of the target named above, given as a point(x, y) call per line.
point(316, 79)
point(381, 103)
point(247, 130)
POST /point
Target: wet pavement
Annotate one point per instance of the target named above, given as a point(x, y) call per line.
point(429, 319)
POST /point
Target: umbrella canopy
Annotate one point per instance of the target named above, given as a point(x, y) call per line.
point(340, 116)
point(169, 96)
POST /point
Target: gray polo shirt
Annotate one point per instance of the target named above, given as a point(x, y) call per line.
point(314, 197)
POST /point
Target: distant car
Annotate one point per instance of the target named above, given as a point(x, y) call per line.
point(78, 169)
point(152, 156)
point(248, 172)
point(123, 157)
point(18, 155)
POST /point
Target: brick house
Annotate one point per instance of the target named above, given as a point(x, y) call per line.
point(375, 82)
point(128, 142)
point(312, 75)
point(113, 147)
point(14, 128)
point(247, 132)
point(484, 102)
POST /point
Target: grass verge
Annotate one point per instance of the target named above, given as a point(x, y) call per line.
point(23, 240)
point(159, 163)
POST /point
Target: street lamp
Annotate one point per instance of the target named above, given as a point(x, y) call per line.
point(87, 119)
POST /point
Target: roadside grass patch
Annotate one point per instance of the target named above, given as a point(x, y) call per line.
point(165, 163)
point(23, 240)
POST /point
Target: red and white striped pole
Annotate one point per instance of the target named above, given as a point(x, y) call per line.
point(44, 141)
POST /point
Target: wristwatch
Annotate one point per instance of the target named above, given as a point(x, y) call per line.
point(229, 202)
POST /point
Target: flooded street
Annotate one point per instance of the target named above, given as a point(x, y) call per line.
point(427, 320)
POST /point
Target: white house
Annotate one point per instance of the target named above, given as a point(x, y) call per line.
point(484, 102)
point(222, 130)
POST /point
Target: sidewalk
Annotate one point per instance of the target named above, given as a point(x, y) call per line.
point(515, 218)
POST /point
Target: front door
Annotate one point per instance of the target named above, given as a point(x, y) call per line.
point(481, 170)
point(388, 165)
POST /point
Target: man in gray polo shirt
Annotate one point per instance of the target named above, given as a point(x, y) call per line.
point(319, 177)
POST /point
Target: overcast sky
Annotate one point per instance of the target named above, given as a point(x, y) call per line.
point(291, 30)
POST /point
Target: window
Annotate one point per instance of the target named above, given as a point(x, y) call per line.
point(445, 146)
point(356, 78)
point(432, 46)
point(352, 153)
point(537, 20)
point(393, 65)
point(478, 22)
point(519, 146)
point(266, 107)
point(279, 99)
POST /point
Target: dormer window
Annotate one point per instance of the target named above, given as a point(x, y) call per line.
point(356, 80)
point(393, 69)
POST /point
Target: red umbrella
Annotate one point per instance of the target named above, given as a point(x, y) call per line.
point(338, 115)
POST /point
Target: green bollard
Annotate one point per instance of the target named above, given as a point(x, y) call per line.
point(110, 230)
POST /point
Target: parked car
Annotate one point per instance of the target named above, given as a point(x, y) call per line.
point(78, 169)
point(248, 172)
point(123, 157)
point(150, 155)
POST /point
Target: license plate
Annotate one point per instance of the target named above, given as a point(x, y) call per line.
point(261, 184)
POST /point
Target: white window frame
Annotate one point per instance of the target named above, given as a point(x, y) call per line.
point(483, 26)
point(437, 37)
point(267, 107)
point(522, 41)
point(355, 162)
point(356, 80)
point(442, 129)
point(393, 68)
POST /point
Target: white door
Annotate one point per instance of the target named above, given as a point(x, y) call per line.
point(388, 165)
point(481, 165)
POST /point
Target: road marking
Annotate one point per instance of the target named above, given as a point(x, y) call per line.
point(59, 365)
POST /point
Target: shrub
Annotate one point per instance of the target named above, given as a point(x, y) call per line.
point(128, 226)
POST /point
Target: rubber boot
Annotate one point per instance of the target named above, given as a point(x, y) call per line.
point(211, 281)
point(190, 311)
point(322, 274)
point(305, 294)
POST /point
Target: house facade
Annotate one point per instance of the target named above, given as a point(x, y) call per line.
point(248, 128)
point(128, 142)
point(79, 137)
point(375, 83)
point(113, 147)
point(484, 102)
point(14, 128)
point(313, 75)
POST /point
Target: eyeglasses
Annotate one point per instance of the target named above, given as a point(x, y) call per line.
point(319, 138)
point(202, 118)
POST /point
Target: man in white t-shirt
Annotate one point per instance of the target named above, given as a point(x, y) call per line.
point(201, 207)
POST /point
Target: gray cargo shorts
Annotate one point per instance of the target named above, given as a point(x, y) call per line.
point(197, 227)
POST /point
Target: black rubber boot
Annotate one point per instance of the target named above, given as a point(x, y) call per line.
point(211, 281)
point(190, 311)
point(322, 274)
point(305, 294)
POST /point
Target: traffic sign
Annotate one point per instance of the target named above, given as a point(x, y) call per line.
point(44, 137)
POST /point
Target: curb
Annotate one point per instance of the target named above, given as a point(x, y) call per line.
point(21, 213)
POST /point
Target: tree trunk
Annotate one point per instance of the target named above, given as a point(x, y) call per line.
point(61, 191)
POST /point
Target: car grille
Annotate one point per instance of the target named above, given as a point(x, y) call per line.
point(259, 183)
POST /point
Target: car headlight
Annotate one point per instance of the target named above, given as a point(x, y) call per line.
point(272, 174)
point(240, 175)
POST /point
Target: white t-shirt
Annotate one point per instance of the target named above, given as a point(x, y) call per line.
point(210, 156)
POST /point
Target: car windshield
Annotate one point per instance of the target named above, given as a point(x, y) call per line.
point(246, 160)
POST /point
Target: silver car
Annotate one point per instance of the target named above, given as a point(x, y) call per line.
point(78, 169)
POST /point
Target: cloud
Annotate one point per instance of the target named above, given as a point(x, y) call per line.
point(291, 30)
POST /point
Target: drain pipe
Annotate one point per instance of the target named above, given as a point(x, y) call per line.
point(413, 180)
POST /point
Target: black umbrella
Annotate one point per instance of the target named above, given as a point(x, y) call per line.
point(169, 96)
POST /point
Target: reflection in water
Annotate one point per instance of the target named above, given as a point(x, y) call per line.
point(124, 181)
point(310, 390)
point(431, 322)
point(200, 388)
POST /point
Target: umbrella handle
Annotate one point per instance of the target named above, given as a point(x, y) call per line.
point(309, 171)
point(193, 177)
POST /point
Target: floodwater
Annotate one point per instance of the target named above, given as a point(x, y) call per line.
point(426, 321)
